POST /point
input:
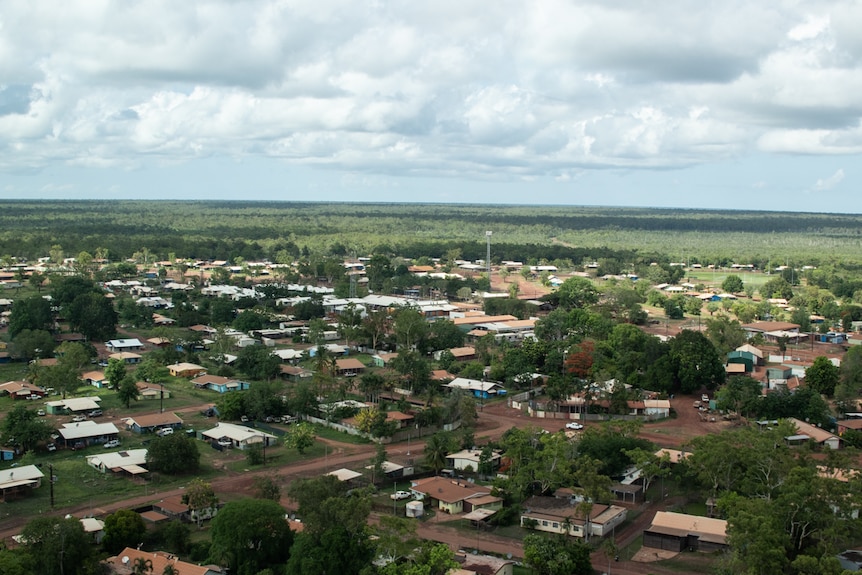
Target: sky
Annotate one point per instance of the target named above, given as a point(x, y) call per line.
point(708, 104)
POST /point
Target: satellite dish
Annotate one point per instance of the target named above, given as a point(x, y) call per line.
point(125, 560)
point(508, 555)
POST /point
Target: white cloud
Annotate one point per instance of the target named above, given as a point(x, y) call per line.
point(826, 184)
point(453, 89)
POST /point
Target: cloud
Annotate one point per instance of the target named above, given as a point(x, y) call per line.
point(826, 184)
point(455, 90)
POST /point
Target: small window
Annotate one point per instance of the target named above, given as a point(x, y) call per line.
point(544, 523)
point(555, 525)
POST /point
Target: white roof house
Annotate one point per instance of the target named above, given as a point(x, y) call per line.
point(17, 476)
point(130, 461)
point(87, 429)
point(345, 474)
point(469, 458)
point(123, 344)
point(474, 385)
point(241, 436)
point(76, 403)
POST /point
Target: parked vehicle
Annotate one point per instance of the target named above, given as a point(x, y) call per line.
point(79, 418)
point(112, 444)
point(51, 447)
point(225, 442)
point(40, 412)
point(574, 425)
point(399, 495)
point(288, 419)
point(95, 413)
point(165, 431)
point(244, 419)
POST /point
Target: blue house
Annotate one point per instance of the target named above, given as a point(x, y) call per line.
point(220, 384)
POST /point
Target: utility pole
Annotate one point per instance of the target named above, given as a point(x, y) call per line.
point(51, 480)
point(488, 258)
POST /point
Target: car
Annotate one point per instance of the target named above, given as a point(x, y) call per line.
point(288, 419)
point(225, 442)
point(704, 398)
point(40, 412)
point(51, 447)
point(35, 397)
point(95, 413)
point(244, 419)
point(79, 418)
point(165, 431)
point(574, 425)
point(399, 495)
point(112, 444)
point(269, 419)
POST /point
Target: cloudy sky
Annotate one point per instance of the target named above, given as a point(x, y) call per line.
point(711, 104)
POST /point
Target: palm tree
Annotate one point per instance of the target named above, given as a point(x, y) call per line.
point(142, 566)
point(436, 450)
point(170, 570)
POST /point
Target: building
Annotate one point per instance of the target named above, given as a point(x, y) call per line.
point(153, 422)
point(127, 357)
point(21, 390)
point(349, 366)
point(470, 458)
point(85, 433)
point(151, 391)
point(480, 389)
point(450, 495)
point(185, 369)
point(220, 384)
point(678, 531)
point(118, 345)
point(96, 379)
point(131, 461)
point(562, 515)
point(807, 432)
point(240, 436)
point(124, 563)
point(73, 405)
point(19, 481)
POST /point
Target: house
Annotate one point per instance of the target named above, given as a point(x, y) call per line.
point(241, 437)
point(849, 425)
point(481, 389)
point(470, 458)
point(295, 373)
point(130, 461)
point(127, 357)
point(345, 475)
point(459, 353)
point(153, 422)
point(18, 481)
point(21, 390)
point(349, 366)
point(85, 433)
point(73, 405)
point(219, 384)
point(558, 515)
point(118, 345)
point(151, 391)
point(679, 531)
point(96, 379)
point(185, 369)
point(392, 470)
point(448, 495)
point(93, 527)
point(383, 359)
point(483, 565)
point(124, 563)
point(807, 432)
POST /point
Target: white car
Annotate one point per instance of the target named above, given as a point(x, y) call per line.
point(112, 444)
point(165, 431)
point(399, 495)
point(79, 418)
point(574, 425)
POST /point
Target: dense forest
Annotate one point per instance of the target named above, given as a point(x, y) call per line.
point(267, 230)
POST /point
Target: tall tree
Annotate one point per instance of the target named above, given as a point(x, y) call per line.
point(696, 362)
point(201, 499)
point(123, 528)
point(32, 313)
point(822, 376)
point(250, 535)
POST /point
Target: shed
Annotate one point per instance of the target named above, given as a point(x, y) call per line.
point(679, 531)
